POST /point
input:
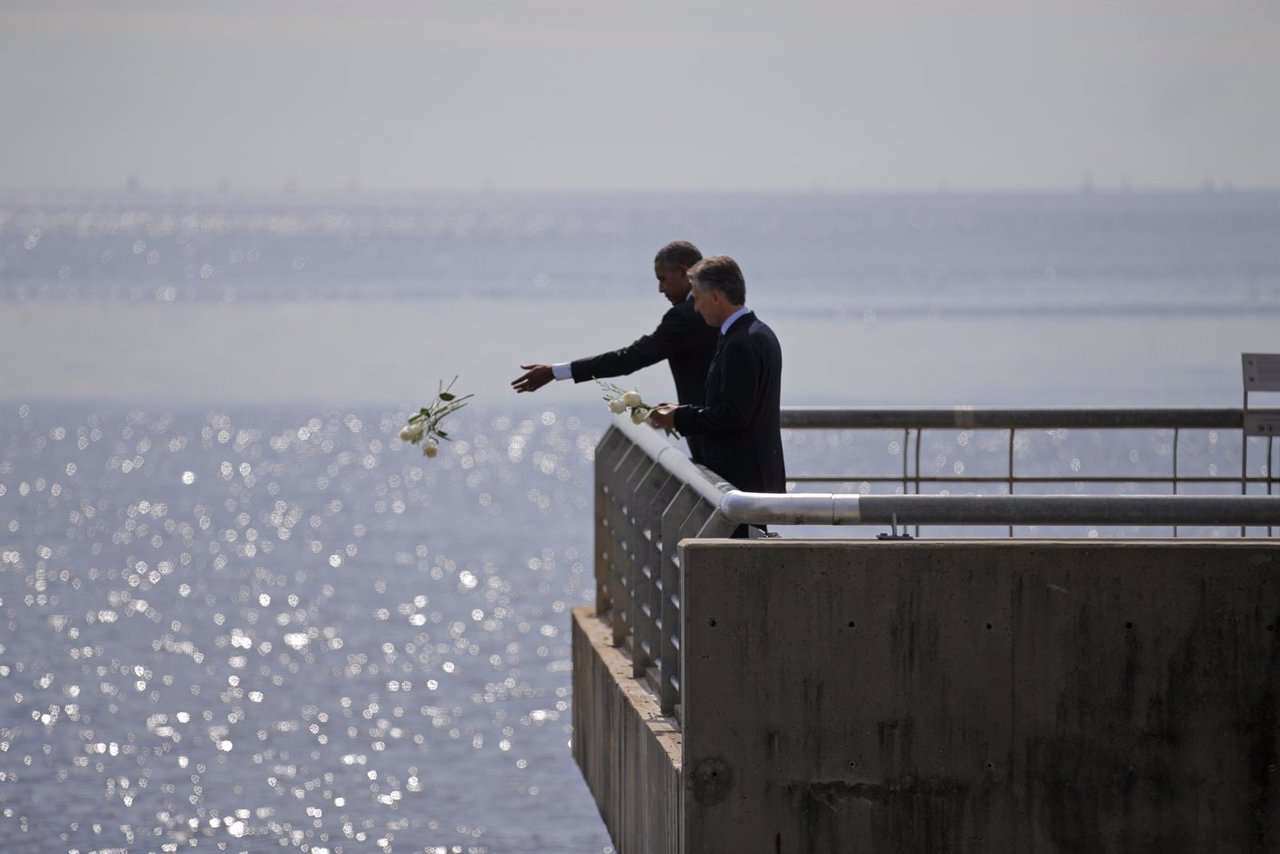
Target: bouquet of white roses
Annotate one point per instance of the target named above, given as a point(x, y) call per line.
point(621, 400)
point(426, 424)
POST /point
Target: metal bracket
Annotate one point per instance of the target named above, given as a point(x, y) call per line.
point(893, 531)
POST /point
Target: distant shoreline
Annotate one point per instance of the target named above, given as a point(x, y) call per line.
point(373, 196)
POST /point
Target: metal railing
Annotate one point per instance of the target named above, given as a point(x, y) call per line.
point(650, 496)
point(913, 422)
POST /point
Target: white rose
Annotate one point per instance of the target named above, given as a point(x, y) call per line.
point(632, 398)
point(639, 414)
point(411, 433)
point(616, 406)
point(431, 448)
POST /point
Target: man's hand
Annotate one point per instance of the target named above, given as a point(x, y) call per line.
point(663, 416)
point(536, 377)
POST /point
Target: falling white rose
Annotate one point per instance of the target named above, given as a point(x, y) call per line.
point(632, 399)
point(412, 433)
point(617, 406)
point(427, 420)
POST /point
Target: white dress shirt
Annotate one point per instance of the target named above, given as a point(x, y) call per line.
point(729, 321)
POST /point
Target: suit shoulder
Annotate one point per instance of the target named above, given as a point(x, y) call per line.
point(760, 328)
point(683, 313)
point(688, 323)
point(756, 338)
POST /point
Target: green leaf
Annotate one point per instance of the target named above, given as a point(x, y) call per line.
point(444, 395)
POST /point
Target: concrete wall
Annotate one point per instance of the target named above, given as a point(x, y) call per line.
point(628, 752)
point(1002, 696)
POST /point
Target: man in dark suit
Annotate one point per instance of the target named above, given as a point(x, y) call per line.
point(739, 420)
point(682, 338)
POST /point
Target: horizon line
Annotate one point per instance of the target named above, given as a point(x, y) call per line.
point(283, 192)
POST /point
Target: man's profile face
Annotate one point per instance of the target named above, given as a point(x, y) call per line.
point(673, 282)
point(708, 304)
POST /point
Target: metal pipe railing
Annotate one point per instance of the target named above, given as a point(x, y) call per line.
point(674, 460)
point(920, 419)
point(806, 508)
point(1003, 418)
point(649, 496)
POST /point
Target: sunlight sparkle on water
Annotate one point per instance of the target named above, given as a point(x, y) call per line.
point(285, 653)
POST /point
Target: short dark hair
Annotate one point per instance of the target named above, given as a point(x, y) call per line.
point(720, 273)
point(678, 253)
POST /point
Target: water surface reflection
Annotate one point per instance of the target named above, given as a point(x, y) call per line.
point(264, 628)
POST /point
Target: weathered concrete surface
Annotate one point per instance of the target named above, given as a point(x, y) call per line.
point(628, 752)
point(981, 696)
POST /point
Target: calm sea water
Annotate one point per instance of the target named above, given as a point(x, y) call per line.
point(239, 614)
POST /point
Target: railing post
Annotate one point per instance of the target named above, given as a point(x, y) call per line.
point(619, 560)
point(645, 485)
point(667, 486)
point(1012, 432)
point(1273, 473)
point(630, 472)
point(906, 440)
point(919, 439)
point(1175, 472)
point(682, 504)
point(637, 506)
point(610, 450)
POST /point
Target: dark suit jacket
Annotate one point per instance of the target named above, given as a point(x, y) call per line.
point(683, 338)
point(739, 423)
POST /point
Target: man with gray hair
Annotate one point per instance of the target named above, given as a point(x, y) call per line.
point(682, 339)
point(739, 422)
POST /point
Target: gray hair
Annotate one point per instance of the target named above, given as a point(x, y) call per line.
point(720, 273)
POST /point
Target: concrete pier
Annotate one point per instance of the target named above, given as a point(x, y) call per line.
point(984, 696)
point(628, 752)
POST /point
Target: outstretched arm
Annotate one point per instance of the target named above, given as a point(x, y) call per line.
point(672, 336)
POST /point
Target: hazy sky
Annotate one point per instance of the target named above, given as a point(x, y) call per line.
point(652, 95)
